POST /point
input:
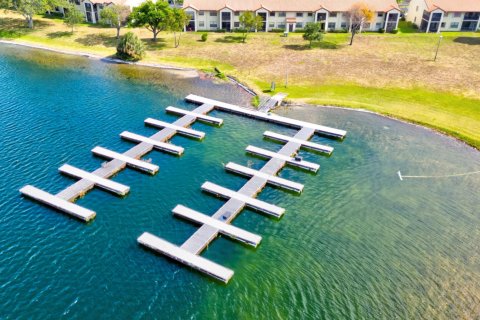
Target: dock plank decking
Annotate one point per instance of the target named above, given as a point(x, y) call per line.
point(132, 162)
point(58, 203)
point(274, 180)
point(224, 228)
point(305, 144)
point(291, 161)
point(181, 130)
point(197, 262)
point(220, 222)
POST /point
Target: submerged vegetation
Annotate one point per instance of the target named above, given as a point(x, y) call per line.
point(390, 74)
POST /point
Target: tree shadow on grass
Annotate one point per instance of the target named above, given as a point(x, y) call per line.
point(59, 34)
point(98, 39)
point(230, 39)
point(468, 40)
point(12, 28)
point(315, 45)
point(154, 45)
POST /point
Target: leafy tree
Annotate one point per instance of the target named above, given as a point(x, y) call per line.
point(27, 8)
point(313, 32)
point(115, 16)
point(177, 19)
point(130, 47)
point(250, 21)
point(73, 16)
point(151, 15)
point(358, 14)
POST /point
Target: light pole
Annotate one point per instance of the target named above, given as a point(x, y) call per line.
point(438, 47)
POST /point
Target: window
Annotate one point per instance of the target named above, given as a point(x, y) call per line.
point(77, 2)
point(236, 24)
point(380, 15)
point(281, 26)
point(457, 14)
point(366, 25)
point(271, 25)
point(201, 24)
point(282, 14)
point(299, 25)
point(213, 24)
point(333, 14)
point(201, 13)
point(343, 25)
point(331, 25)
point(454, 25)
point(100, 6)
point(213, 13)
point(378, 25)
point(299, 14)
point(272, 13)
point(236, 13)
point(310, 14)
point(443, 24)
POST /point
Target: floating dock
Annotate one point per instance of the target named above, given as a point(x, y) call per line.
point(292, 161)
point(185, 257)
point(303, 143)
point(271, 179)
point(181, 130)
point(218, 223)
point(224, 228)
point(253, 203)
point(58, 203)
point(199, 116)
point(132, 162)
point(103, 183)
point(107, 170)
point(270, 117)
point(167, 147)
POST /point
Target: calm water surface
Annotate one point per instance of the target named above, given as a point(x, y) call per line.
point(357, 244)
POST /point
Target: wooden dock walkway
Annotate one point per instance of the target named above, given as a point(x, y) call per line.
point(224, 228)
point(103, 183)
point(132, 162)
point(273, 180)
point(305, 144)
point(253, 203)
point(272, 102)
point(220, 221)
point(270, 117)
point(61, 200)
point(291, 161)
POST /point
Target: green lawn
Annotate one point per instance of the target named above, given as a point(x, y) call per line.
point(391, 74)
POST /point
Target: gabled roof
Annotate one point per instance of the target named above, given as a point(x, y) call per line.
point(454, 5)
point(291, 5)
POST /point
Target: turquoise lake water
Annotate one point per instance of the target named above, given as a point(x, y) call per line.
point(357, 244)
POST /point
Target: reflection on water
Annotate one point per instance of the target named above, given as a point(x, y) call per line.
point(358, 243)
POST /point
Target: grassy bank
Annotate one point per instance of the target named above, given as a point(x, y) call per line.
point(390, 74)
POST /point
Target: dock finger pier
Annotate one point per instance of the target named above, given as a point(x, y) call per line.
point(210, 225)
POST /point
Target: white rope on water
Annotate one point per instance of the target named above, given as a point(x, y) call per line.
point(433, 177)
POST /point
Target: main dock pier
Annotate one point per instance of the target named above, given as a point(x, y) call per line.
point(219, 222)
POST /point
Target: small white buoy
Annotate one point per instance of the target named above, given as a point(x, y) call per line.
point(400, 175)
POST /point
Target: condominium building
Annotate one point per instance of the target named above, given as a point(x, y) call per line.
point(288, 15)
point(445, 15)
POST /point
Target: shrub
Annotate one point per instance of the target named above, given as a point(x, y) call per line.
point(130, 47)
point(204, 36)
point(255, 101)
point(277, 30)
point(395, 31)
point(219, 74)
point(381, 30)
point(221, 31)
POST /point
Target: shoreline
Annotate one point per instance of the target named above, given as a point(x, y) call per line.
point(235, 81)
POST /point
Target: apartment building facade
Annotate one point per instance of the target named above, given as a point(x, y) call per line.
point(445, 15)
point(288, 15)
